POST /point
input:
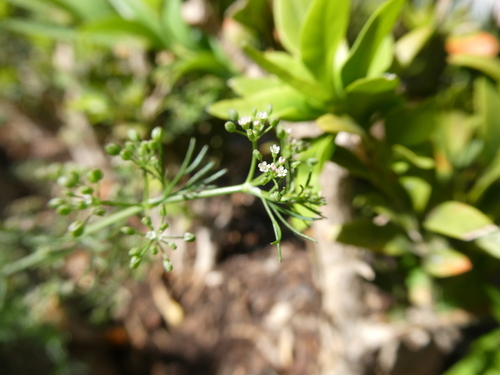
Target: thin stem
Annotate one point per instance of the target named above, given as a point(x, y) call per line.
point(254, 162)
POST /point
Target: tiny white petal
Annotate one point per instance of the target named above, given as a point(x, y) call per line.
point(264, 167)
point(275, 149)
point(281, 160)
point(262, 115)
point(244, 120)
point(151, 235)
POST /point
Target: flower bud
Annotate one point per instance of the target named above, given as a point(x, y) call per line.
point(85, 190)
point(157, 134)
point(257, 155)
point(135, 261)
point(146, 221)
point(99, 211)
point(232, 114)
point(130, 146)
point(133, 135)
point(55, 202)
point(281, 133)
point(172, 245)
point(189, 237)
point(167, 264)
point(68, 181)
point(64, 209)
point(113, 149)
point(230, 127)
point(311, 162)
point(163, 211)
point(129, 231)
point(134, 251)
point(295, 164)
point(154, 250)
point(274, 122)
point(126, 154)
point(163, 227)
point(269, 109)
point(94, 175)
point(76, 228)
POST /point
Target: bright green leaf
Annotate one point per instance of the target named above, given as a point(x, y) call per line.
point(490, 243)
point(331, 123)
point(410, 44)
point(244, 86)
point(368, 41)
point(174, 25)
point(383, 58)
point(288, 17)
point(422, 162)
point(419, 191)
point(459, 220)
point(292, 64)
point(487, 65)
point(323, 29)
point(487, 103)
point(446, 263)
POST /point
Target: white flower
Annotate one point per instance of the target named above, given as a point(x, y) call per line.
point(281, 171)
point(264, 167)
point(88, 199)
point(275, 149)
point(151, 235)
point(244, 120)
point(281, 160)
point(262, 115)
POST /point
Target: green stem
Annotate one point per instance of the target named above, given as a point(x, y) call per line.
point(254, 162)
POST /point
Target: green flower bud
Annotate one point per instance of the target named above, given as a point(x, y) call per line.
point(126, 154)
point(69, 193)
point(189, 237)
point(99, 211)
point(230, 127)
point(129, 231)
point(95, 175)
point(163, 227)
point(157, 134)
point(269, 109)
point(135, 261)
point(130, 146)
point(133, 135)
point(232, 114)
point(281, 133)
point(55, 202)
point(153, 145)
point(134, 251)
point(113, 149)
point(167, 264)
point(172, 245)
point(68, 181)
point(85, 190)
point(254, 111)
point(154, 250)
point(76, 228)
point(295, 164)
point(257, 155)
point(80, 205)
point(311, 162)
point(147, 222)
point(64, 209)
point(163, 211)
point(274, 122)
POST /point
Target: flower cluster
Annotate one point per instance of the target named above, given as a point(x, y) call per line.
point(276, 167)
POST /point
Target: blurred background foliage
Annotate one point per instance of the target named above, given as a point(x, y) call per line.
point(413, 86)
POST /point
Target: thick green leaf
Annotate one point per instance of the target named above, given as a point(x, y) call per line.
point(487, 103)
point(202, 61)
point(367, 95)
point(88, 10)
point(487, 177)
point(411, 124)
point(288, 104)
point(244, 86)
point(419, 191)
point(367, 43)
point(410, 44)
point(139, 11)
point(310, 89)
point(291, 64)
point(324, 28)
point(490, 243)
point(174, 26)
point(422, 162)
point(459, 220)
point(331, 123)
point(387, 239)
point(446, 263)
point(39, 29)
point(487, 65)
point(383, 58)
point(288, 17)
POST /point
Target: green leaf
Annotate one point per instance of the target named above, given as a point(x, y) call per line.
point(331, 123)
point(324, 27)
point(410, 44)
point(202, 61)
point(486, 178)
point(288, 17)
point(490, 243)
point(174, 26)
point(487, 103)
point(367, 95)
point(291, 64)
point(383, 58)
point(88, 10)
point(255, 15)
point(310, 89)
point(367, 43)
point(288, 104)
point(419, 191)
point(422, 162)
point(446, 263)
point(387, 239)
point(411, 124)
point(245, 86)
point(459, 220)
point(139, 11)
point(487, 65)
point(39, 29)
